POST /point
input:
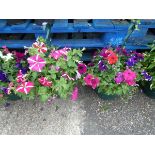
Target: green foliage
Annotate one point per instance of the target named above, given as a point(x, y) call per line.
point(149, 64)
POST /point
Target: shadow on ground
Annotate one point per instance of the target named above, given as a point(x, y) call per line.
point(89, 115)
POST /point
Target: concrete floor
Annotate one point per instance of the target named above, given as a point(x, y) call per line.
point(89, 115)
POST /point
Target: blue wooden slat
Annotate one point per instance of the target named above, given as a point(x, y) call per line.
point(78, 43)
point(60, 24)
point(79, 24)
point(16, 43)
point(102, 23)
point(21, 26)
point(69, 29)
point(37, 27)
point(28, 29)
point(120, 25)
point(3, 23)
point(150, 23)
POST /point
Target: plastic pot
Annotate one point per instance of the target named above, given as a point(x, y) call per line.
point(146, 89)
point(13, 97)
point(104, 96)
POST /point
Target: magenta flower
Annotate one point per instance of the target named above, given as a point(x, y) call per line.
point(20, 77)
point(129, 75)
point(56, 54)
point(131, 83)
point(19, 56)
point(88, 79)
point(95, 82)
point(82, 68)
point(36, 63)
point(92, 81)
point(74, 96)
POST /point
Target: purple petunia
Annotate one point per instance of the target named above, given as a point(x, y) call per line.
point(20, 67)
point(102, 66)
point(4, 89)
point(82, 68)
point(119, 78)
point(147, 77)
point(3, 77)
point(131, 61)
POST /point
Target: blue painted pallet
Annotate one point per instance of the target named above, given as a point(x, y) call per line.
point(112, 32)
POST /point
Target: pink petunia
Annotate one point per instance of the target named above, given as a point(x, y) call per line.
point(40, 46)
point(74, 96)
point(131, 83)
point(43, 81)
point(56, 54)
point(88, 79)
point(25, 87)
point(95, 82)
point(129, 75)
point(36, 63)
point(20, 77)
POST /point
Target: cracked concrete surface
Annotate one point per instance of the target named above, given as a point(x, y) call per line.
point(90, 115)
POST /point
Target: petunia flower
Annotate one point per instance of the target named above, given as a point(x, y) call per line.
point(19, 56)
point(6, 57)
point(36, 63)
point(131, 61)
point(43, 81)
point(105, 53)
point(20, 77)
point(40, 46)
point(82, 68)
point(112, 58)
point(3, 77)
point(25, 87)
point(74, 96)
point(56, 54)
point(95, 82)
point(88, 79)
point(129, 77)
point(102, 66)
point(147, 77)
point(119, 78)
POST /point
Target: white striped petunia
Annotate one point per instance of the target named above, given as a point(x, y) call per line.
point(40, 46)
point(36, 63)
point(25, 87)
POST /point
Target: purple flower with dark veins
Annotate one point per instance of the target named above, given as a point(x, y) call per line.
point(147, 77)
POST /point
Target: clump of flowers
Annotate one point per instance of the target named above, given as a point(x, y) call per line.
point(41, 71)
point(117, 71)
